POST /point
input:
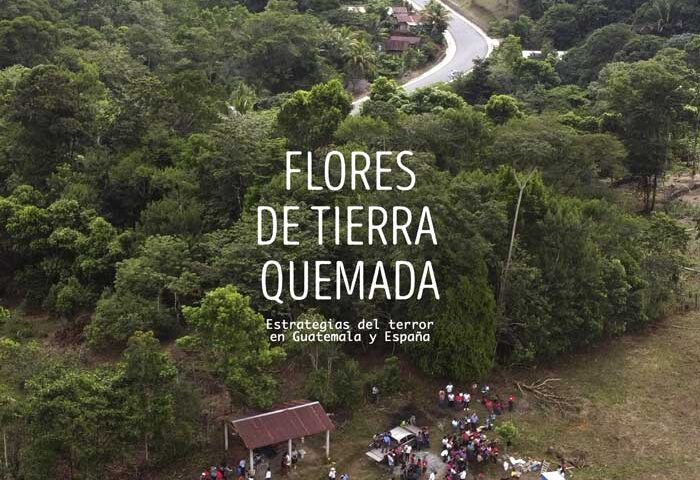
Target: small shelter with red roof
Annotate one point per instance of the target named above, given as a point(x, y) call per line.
point(293, 420)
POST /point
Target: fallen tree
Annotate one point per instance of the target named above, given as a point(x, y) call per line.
point(548, 396)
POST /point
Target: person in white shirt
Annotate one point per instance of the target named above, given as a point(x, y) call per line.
point(432, 476)
point(449, 388)
point(331, 474)
point(268, 474)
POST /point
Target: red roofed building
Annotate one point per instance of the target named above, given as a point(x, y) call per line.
point(401, 43)
point(290, 421)
point(402, 37)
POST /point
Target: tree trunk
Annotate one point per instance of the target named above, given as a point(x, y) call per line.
point(695, 147)
point(646, 192)
point(4, 448)
point(653, 193)
point(506, 268)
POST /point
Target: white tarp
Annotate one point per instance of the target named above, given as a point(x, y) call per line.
point(551, 476)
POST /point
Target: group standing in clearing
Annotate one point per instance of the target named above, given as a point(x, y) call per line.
point(467, 443)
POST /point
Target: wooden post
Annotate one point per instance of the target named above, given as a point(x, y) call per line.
point(289, 447)
point(328, 444)
point(252, 465)
point(226, 435)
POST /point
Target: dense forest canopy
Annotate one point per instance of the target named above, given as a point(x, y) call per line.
point(137, 139)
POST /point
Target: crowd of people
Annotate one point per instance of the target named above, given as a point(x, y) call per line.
point(468, 443)
point(494, 405)
point(224, 472)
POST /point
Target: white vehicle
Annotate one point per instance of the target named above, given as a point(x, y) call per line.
point(400, 436)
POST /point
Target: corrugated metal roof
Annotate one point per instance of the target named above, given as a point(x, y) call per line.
point(397, 43)
point(302, 420)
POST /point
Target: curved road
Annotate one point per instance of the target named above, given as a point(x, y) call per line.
point(465, 43)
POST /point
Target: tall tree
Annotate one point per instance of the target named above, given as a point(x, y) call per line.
point(436, 18)
point(360, 61)
point(149, 378)
point(648, 95)
point(26, 41)
point(309, 118)
point(234, 340)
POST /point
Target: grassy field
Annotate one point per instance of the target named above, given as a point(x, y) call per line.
point(483, 12)
point(639, 416)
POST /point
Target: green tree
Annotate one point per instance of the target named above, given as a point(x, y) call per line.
point(234, 339)
point(339, 387)
point(64, 253)
point(384, 89)
point(477, 86)
point(458, 138)
point(56, 110)
point(436, 18)
point(360, 61)
point(463, 345)
point(236, 155)
point(648, 95)
point(26, 41)
point(149, 290)
point(507, 431)
point(282, 48)
point(309, 118)
point(569, 160)
point(9, 411)
point(501, 108)
point(583, 63)
point(150, 383)
point(560, 23)
point(432, 99)
point(82, 407)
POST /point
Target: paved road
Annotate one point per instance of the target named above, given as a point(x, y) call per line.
point(465, 43)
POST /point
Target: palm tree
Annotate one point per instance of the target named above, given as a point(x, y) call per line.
point(436, 18)
point(242, 100)
point(379, 29)
point(360, 60)
point(662, 15)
